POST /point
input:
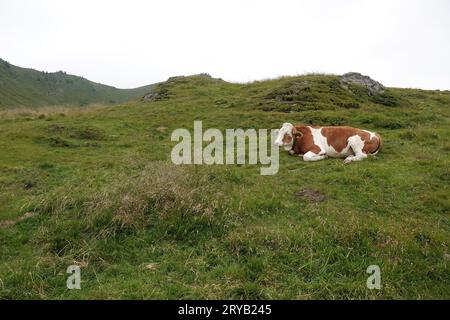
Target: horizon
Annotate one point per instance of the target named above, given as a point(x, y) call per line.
point(213, 76)
point(139, 43)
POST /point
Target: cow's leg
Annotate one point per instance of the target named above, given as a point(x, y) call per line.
point(357, 157)
point(311, 156)
point(357, 145)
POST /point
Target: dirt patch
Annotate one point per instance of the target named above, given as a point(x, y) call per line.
point(9, 223)
point(311, 195)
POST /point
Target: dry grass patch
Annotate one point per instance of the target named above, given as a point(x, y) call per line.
point(158, 190)
point(45, 112)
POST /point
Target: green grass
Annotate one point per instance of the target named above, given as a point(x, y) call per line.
point(105, 196)
point(20, 87)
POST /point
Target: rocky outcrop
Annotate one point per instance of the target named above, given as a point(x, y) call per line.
point(157, 93)
point(373, 86)
point(154, 96)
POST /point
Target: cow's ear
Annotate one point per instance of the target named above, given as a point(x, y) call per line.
point(296, 133)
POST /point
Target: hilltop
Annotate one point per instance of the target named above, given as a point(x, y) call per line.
point(22, 87)
point(96, 188)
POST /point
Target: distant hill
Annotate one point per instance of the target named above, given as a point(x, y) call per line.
point(22, 87)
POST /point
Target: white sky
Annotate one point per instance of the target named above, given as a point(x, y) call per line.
point(403, 43)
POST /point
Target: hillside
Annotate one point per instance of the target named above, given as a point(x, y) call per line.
point(96, 188)
point(20, 87)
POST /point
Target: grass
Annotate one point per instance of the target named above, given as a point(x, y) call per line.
point(104, 195)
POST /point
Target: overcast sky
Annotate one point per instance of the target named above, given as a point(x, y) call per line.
point(402, 43)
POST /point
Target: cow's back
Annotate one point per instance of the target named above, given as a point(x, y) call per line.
point(335, 141)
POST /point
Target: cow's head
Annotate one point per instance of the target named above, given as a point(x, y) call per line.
point(286, 136)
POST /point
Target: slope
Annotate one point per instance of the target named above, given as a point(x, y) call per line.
point(97, 189)
point(20, 87)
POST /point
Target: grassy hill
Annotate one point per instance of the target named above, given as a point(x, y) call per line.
point(31, 88)
point(96, 188)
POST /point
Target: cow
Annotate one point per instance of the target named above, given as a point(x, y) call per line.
point(315, 143)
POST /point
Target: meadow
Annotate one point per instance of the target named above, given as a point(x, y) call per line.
point(95, 187)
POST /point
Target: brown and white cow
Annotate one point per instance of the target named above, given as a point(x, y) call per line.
point(317, 143)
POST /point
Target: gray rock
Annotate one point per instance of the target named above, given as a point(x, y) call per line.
point(373, 86)
point(153, 96)
point(158, 92)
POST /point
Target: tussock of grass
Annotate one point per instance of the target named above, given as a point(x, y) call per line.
point(159, 191)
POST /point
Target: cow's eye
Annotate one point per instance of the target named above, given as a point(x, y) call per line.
point(287, 139)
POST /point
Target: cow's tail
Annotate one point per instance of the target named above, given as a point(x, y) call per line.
point(380, 144)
